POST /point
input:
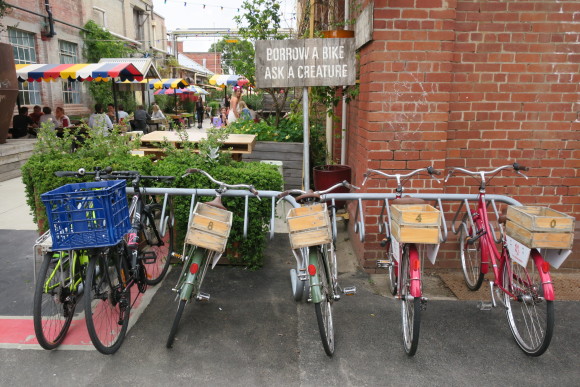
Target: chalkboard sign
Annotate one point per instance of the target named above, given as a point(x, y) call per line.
point(305, 62)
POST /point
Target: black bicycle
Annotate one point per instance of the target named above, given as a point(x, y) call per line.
point(142, 258)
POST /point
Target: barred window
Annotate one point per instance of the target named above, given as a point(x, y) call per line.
point(71, 90)
point(25, 53)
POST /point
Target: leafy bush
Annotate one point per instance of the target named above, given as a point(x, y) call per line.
point(54, 154)
point(254, 101)
point(215, 107)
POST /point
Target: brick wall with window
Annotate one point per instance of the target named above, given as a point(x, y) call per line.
point(472, 84)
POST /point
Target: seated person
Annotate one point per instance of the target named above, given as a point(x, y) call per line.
point(122, 114)
point(223, 117)
point(245, 112)
point(47, 117)
point(21, 123)
point(35, 115)
point(62, 120)
point(99, 120)
point(141, 118)
point(157, 113)
point(111, 112)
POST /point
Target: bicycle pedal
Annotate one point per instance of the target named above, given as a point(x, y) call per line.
point(148, 257)
point(384, 264)
point(202, 296)
point(482, 305)
point(349, 290)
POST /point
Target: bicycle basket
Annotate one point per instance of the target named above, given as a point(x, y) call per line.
point(309, 226)
point(210, 227)
point(86, 215)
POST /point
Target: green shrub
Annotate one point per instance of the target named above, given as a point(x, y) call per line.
point(215, 106)
point(53, 154)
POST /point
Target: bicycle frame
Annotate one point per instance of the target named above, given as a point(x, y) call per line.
point(490, 254)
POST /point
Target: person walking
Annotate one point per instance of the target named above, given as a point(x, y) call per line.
point(199, 109)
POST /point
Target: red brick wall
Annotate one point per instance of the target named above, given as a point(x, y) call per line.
point(212, 60)
point(473, 84)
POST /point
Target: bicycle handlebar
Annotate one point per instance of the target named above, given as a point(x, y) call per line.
point(515, 166)
point(316, 194)
point(402, 178)
point(222, 185)
point(109, 174)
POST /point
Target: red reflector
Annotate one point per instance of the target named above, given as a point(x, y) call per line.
point(311, 269)
point(416, 265)
point(193, 268)
point(545, 267)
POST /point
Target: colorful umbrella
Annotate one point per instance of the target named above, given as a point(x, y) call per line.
point(80, 72)
point(225, 80)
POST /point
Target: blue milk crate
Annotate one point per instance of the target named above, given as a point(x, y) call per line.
point(86, 215)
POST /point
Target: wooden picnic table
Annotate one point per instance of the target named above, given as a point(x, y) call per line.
point(237, 144)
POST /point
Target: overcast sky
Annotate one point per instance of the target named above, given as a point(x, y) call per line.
point(216, 14)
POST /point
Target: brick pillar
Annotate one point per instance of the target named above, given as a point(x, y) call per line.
point(403, 107)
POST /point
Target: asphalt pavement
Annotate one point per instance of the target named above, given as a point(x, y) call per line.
point(252, 333)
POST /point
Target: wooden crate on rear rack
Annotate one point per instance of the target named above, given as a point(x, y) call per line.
point(309, 226)
point(415, 223)
point(540, 227)
point(210, 227)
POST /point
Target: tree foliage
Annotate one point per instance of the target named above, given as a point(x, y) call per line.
point(237, 57)
point(261, 21)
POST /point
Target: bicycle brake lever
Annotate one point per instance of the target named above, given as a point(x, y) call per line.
point(519, 173)
point(448, 176)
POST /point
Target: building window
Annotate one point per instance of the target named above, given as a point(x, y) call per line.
point(25, 52)
point(100, 17)
point(138, 19)
point(71, 90)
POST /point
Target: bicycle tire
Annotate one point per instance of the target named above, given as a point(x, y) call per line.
point(531, 317)
point(53, 308)
point(324, 307)
point(107, 305)
point(410, 307)
point(157, 270)
point(175, 324)
point(470, 259)
point(393, 270)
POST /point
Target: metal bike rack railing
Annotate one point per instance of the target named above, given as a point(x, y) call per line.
point(437, 198)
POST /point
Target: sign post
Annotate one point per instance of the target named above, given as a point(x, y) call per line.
point(304, 63)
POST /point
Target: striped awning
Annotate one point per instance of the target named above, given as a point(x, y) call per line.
point(171, 83)
point(225, 80)
point(79, 72)
point(195, 90)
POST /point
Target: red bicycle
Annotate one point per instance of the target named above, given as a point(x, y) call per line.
point(405, 261)
point(526, 291)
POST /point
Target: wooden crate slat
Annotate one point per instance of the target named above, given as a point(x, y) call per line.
point(415, 214)
point(539, 239)
point(210, 225)
point(213, 212)
point(307, 222)
point(414, 234)
point(206, 240)
point(540, 219)
point(310, 238)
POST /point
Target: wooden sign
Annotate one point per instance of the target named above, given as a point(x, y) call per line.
point(364, 26)
point(305, 62)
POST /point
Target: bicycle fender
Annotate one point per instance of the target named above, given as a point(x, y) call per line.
point(415, 268)
point(187, 287)
point(315, 293)
point(541, 264)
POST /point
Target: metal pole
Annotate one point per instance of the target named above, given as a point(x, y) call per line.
point(306, 141)
point(114, 84)
point(343, 127)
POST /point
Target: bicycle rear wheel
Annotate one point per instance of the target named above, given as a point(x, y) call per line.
point(324, 307)
point(54, 303)
point(410, 306)
point(188, 288)
point(470, 259)
point(162, 246)
point(107, 300)
point(530, 317)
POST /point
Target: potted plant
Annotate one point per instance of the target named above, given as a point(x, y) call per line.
point(325, 176)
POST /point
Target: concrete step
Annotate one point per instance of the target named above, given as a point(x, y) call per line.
point(13, 155)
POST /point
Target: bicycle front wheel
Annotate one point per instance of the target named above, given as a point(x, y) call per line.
point(162, 246)
point(54, 303)
point(107, 301)
point(410, 306)
point(324, 307)
point(530, 317)
point(470, 259)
